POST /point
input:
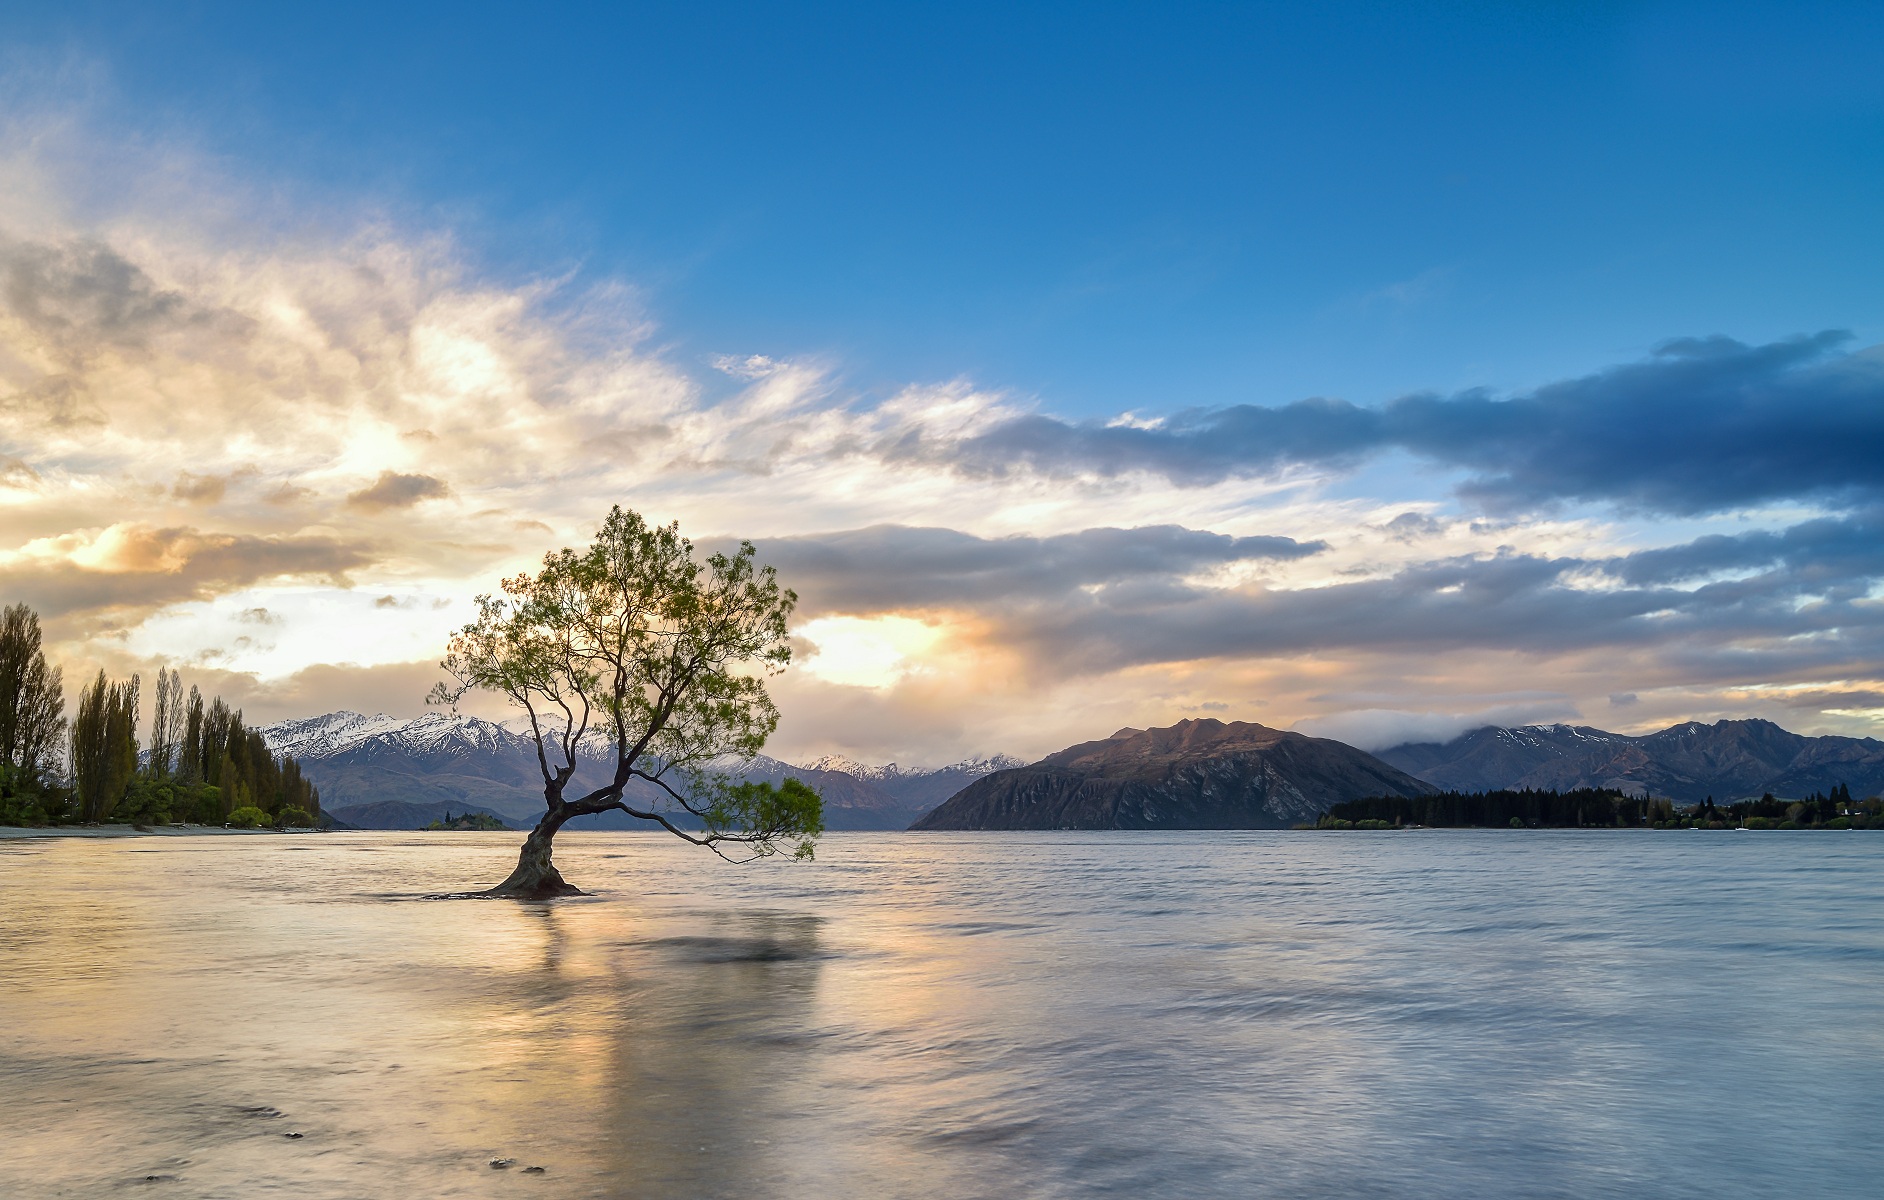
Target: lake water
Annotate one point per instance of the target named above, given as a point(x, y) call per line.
point(1420, 1014)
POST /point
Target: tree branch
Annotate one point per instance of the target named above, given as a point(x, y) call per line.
point(668, 788)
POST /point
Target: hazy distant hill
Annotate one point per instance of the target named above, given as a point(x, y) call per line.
point(1204, 774)
point(382, 772)
point(1728, 760)
point(849, 802)
point(918, 790)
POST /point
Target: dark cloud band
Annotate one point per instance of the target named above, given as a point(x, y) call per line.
point(1106, 599)
point(888, 567)
point(1702, 426)
point(151, 568)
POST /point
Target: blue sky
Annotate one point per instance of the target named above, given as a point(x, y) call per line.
point(1111, 207)
point(1371, 369)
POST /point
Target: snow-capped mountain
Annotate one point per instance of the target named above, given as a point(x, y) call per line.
point(409, 772)
point(343, 732)
point(313, 737)
point(848, 766)
point(388, 772)
point(968, 767)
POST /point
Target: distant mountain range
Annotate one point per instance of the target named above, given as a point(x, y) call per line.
point(380, 772)
point(1203, 774)
point(1728, 760)
point(919, 791)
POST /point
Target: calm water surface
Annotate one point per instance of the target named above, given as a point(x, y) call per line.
point(1431, 1014)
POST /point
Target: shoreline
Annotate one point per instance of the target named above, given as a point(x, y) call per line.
point(23, 832)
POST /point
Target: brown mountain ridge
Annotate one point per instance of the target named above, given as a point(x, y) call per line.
point(1200, 774)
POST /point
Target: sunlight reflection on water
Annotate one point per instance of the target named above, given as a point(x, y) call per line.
point(1181, 1015)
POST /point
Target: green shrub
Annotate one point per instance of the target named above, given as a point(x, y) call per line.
point(295, 818)
point(1517, 822)
point(208, 804)
point(1759, 823)
point(1838, 823)
point(248, 817)
point(28, 799)
point(22, 810)
point(146, 802)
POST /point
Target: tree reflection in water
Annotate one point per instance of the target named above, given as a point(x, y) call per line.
point(714, 1056)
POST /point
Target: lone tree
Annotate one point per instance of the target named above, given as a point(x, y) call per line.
point(636, 645)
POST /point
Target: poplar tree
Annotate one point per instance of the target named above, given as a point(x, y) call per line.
point(104, 745)
point(166, 724)
point(203, 763)
point(32, 701)
point(189, 750)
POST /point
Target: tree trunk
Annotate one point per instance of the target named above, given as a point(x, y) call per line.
point(536, 877)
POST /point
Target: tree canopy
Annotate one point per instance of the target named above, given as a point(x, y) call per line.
point(651, 663)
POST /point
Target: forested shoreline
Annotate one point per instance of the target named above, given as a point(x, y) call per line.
point(203, 764)
point(1600, 808)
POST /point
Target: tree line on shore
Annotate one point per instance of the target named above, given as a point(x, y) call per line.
point(203, 764)
point(1601, 808)
point(467, 821)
